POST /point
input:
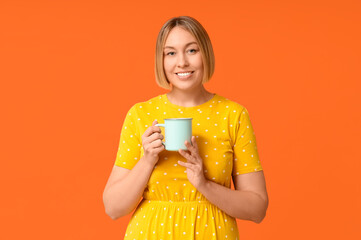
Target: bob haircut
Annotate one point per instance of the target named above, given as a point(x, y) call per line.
point(196, 29)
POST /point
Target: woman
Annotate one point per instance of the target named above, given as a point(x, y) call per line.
point(186, 194)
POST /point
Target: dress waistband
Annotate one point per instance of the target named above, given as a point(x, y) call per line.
point(176, 202)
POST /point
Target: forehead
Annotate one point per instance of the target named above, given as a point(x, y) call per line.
point(179, 37)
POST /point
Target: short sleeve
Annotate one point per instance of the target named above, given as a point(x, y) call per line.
point(246, 158)
point(130, 143)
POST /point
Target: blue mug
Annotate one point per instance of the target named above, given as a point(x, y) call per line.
point(177, 131)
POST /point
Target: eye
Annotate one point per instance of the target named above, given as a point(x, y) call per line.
point(170, 53)
point(192, 50)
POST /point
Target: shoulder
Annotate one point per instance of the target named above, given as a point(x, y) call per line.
point(235, 111)
point(139, 107)
point(230, 105)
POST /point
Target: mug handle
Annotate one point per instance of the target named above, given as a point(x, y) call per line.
point(161, 125)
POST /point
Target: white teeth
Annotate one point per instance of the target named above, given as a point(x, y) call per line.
point(183, 74)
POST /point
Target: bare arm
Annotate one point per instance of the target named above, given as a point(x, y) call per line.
point(248, 202)
point(125, 187)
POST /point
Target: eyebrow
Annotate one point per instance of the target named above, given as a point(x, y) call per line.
point(186, 45)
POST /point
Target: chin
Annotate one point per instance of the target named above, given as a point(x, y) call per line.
point(185, 85)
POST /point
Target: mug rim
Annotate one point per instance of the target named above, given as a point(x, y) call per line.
point(176, 118)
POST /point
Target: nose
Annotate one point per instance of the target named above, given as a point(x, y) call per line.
point(182, 60)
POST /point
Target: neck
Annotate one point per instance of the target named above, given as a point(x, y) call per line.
point(189, 98)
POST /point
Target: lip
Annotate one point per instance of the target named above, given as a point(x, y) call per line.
point(185, 77)
point(185, 72)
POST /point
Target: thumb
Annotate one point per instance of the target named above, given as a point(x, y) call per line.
point(155, 122)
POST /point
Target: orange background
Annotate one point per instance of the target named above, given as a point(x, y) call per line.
point(70, 70)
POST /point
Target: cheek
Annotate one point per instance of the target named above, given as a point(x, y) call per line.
point(199, 62)
point(167, 64)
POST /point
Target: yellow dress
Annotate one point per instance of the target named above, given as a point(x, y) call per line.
point(171, 207)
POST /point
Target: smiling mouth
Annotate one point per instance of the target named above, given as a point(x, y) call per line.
point(184, 74)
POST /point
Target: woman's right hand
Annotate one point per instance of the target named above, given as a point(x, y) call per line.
point(152, 144)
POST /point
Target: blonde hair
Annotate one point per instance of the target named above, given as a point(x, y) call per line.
point(196, 29)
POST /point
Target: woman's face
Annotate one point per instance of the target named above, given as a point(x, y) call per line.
point(183, 63)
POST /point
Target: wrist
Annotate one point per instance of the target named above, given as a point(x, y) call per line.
point(147, 163)
point(203, 186)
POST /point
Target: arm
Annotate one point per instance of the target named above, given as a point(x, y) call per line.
point(248, 202)
point(125, 188)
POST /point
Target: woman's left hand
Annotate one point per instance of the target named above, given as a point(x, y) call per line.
point(194, 164)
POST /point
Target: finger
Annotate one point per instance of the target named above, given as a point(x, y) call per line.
point(152, 129)
point(190, 147)
point(194, 142)
point(155, 146)
point(155, 136)
point(184, 164)
point(187, 156)
point(184, 153)
point(148, 132)
point(160, 148)
point(151, 138)
point(156, 128)
point(157, 143)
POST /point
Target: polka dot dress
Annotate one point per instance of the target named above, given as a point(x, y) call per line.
point(171, 207)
